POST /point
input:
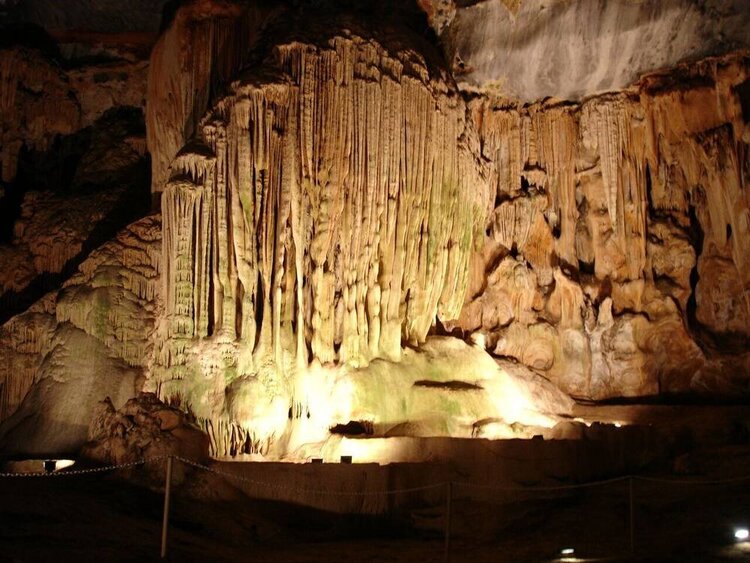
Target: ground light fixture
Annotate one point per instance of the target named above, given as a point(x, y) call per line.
point(567, 555)
point(741, 534)
point(52, 465)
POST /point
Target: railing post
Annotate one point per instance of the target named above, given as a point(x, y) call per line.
point(165, 518)
point(448, 498)
point(632, 515)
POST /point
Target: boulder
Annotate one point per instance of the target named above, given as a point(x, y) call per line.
point(143, 429)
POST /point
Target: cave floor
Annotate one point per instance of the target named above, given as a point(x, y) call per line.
point(101, 517)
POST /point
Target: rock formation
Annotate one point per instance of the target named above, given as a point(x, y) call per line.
point(35, 106)
point(533, 49)
point(144, 428)
point(73, 151)
point(350, 244)
point(39, 101)
point(206, 43)
point(325, 212)
point(615, 256)
point(92, 339)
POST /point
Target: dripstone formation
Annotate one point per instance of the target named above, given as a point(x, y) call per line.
point(615, 259)
point(348, 243)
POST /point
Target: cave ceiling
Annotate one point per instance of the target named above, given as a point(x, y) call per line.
point(518, 49)
point(533, 49)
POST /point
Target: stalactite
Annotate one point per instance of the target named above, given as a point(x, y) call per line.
point(205, 45)
point(229, 439)
point(324, 214)
point(330, 221)
point(23, 342)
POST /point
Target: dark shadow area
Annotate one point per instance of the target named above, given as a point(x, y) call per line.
point(677, 399)
point(50, 170)
point(353, 428)
point(510, 501)
point(450, 385)
point(29, 35)
point(743, 93)
point(95, 159)
point(439, 329)
point(103, 518)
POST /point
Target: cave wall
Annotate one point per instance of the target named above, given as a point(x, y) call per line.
point(42, 101)
point(204, 46)
point(347, 236)
point(75, 171)
point(616, 258)
point(73, 156)
point(91, 339)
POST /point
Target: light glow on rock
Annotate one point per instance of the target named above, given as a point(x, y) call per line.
point(63, 464)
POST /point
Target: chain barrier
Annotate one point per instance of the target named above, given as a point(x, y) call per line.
point(89, 471)
point(228, 475)
point(448, 485)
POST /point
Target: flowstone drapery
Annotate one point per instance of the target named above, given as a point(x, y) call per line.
point(325, 213)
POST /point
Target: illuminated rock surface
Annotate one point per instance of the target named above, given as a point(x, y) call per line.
point(351, 248)
point(199, 53)
point(619, 228)
point(292, 236)
point(90, 340)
